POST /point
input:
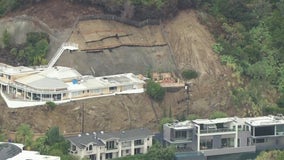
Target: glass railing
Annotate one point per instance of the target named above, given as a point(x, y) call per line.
point(181, 139)
point(216, 130)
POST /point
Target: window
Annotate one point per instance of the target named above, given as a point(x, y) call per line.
point(206, 144)
point(262, 140)
point(138, 142)
point(112, 88)
point(227, 142)
point(280, 130)
point(127, 151)
point(90, 147)
point(137, 151)
point(180, 135)
point(110, 145)
point(108, 155)
point(264, 131)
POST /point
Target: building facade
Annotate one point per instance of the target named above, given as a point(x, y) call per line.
point(222, 136)
point(29, 86)
point(109, 145)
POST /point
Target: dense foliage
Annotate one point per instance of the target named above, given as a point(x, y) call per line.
point(24, 135)
point(53, 143)
point(156, 152)
point(189, 74)
point(249, 36)
point(33, 52)
point(10, 5)
point(155, 91)
point(271, 155)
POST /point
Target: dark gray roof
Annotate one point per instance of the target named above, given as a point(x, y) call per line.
point(84, 139)
point(8, 150)
point(126, 135)
point(98, 137)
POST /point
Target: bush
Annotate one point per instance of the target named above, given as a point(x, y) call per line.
point(50, 105)
point(6, 39)
point(280, 101)
point(155, 91)
point(189, 74)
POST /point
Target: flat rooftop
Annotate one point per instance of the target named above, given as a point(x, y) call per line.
point(180, 125)
point(264, 120)
point(11, 70)
point(214, 121)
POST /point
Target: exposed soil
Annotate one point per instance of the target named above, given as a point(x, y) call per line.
point(189, 48)
point(57, 14)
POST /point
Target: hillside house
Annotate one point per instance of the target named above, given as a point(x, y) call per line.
point(109, 145)
point(222, 136)
point(30, 86)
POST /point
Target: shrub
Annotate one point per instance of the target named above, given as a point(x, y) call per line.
point(155, 91)
point(6, 39)
point(217, 48)
point(189, 74)
point(280, 101)
point(50, 105)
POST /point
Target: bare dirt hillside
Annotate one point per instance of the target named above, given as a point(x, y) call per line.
point(188, 47)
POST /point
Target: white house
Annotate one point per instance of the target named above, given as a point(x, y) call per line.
point(108, 145)
point(30, 86)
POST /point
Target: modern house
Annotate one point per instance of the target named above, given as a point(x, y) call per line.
point(221, 136)
point(109, 145)
point(29, 86)
point(14, 151)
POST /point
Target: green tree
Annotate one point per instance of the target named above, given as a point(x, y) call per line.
point(164, 121)
point(6, 39)
point(155, 91)
point(24, 135)
point(158, 152)
point(53, 136)
point(40, 145)
point(189, 74)
point(271, 155)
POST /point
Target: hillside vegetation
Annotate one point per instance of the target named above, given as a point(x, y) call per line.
point(249, 36)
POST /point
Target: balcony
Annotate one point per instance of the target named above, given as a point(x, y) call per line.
point(232, 150)
point(183, 139)
point(220, 130)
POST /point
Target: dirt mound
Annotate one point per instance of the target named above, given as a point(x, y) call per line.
point(192, 44)
point(97, 35)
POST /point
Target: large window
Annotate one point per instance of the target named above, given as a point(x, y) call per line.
point(280, 130)
point(264, 131)
point(206, 144)
point(110, 145)
point(180, 135)
point(137, 151)
point(108, 155)
point(138, 142)
point(227, 142)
